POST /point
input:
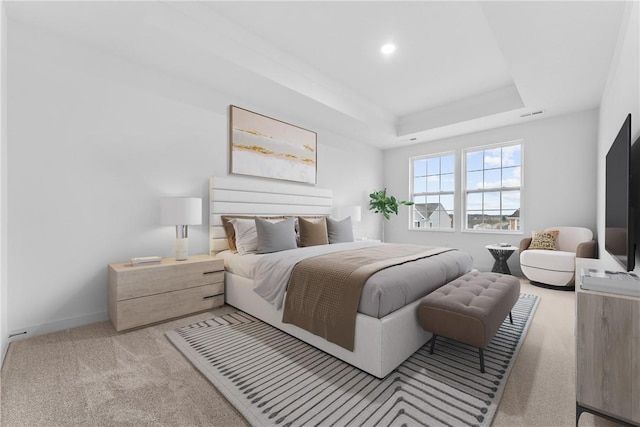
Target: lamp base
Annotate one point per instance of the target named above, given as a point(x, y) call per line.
point(182, 248)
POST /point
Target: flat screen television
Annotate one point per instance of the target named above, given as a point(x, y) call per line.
point(620, 238)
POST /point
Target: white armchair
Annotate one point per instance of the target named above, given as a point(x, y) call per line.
point(557, 268)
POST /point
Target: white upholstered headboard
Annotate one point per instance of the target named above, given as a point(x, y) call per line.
point(232, 195)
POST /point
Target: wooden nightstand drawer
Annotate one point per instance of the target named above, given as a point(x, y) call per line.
point(141, 311)
point(134, 282)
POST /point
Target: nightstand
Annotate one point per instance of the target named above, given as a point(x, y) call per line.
point(152, 293)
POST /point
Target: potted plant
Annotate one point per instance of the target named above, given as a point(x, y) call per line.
point(380, 202)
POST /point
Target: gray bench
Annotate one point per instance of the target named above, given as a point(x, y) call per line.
point(470, 309)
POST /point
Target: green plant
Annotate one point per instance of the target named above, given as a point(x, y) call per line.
point(379, 202)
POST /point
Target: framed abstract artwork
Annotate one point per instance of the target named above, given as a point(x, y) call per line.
point(268, 148)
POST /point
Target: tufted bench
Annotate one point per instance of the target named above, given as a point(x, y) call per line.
point(470, 309)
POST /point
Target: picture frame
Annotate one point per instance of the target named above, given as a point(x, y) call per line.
point(269, 148)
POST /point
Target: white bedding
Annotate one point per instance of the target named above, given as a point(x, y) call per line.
point(240, 265)
point(385, 292)
point(270, 272)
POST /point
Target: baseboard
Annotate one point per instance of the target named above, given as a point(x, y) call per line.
point(4, 349)
point(55, 326)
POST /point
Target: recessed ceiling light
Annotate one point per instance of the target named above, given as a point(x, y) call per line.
point(388, 48)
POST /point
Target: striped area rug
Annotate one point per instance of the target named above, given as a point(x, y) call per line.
point(275, 379)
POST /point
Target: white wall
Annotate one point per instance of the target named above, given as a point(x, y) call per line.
point(621, 97)
point(558, 183)
point(4, 343)
point(94, 142)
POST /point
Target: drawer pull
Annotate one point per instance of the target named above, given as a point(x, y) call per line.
point(210, 296)
point(210, 272)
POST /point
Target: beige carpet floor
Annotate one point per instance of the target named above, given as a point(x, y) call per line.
point(93, 376)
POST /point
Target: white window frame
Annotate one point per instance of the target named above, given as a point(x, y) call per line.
point(412, 194)
point(465, 191)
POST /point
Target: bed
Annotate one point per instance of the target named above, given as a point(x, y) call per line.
point(384, 337)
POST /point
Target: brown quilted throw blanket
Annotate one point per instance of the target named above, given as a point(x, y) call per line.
point(324, 291)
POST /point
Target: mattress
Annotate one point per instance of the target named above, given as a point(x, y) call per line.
point(384, 292)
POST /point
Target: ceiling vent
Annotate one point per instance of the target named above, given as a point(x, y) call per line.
point(534, 113)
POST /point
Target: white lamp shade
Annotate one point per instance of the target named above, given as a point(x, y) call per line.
point(181, 211)
point(355, 212)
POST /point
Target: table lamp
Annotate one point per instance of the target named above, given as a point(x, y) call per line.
point(355, 212)
point(342, 212)
point(181, 212)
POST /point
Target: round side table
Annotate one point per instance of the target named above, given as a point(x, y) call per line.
point(501, 254)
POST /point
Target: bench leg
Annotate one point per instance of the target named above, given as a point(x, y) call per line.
point(433, 343)
point(481, 353)
point(510, 318)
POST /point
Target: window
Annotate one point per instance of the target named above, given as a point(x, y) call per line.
point(493, 179)
point(432, 192)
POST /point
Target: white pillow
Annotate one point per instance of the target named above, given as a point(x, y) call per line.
point(246, 235)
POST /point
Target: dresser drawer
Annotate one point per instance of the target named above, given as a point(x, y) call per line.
point(134, 282)
point(141, 311)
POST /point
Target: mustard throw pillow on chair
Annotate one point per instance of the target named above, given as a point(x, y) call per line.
point(544, 240)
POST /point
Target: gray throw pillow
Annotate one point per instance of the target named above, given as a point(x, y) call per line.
point(340, 231)
point(275, 237)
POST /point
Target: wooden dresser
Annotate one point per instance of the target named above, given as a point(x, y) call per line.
point(607, 353)
point(141, 295)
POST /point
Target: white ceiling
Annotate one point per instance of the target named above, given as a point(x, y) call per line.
point(459, 67)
